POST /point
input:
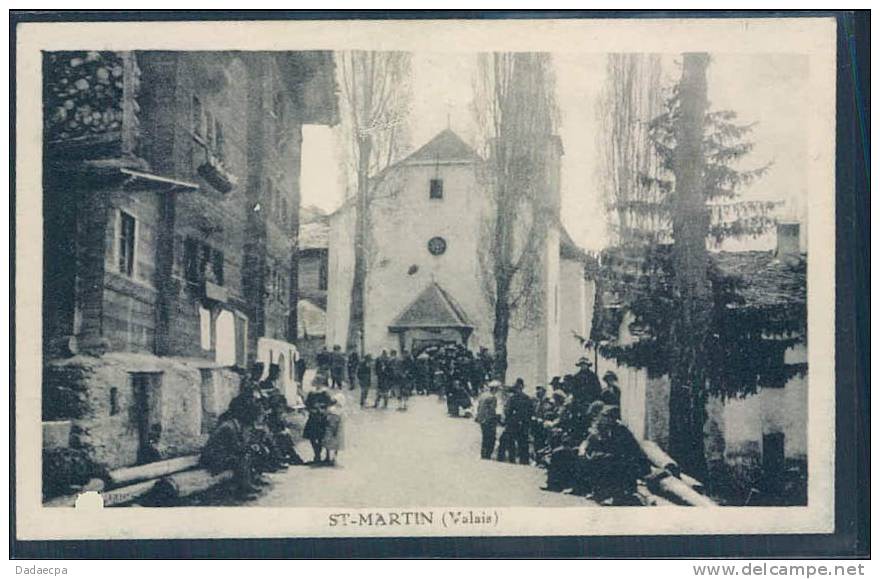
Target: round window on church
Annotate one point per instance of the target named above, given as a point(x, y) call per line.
point(437, 246)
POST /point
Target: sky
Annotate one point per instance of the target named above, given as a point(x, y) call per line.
point(769, 90)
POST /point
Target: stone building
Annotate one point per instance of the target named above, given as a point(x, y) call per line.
point(425, 281)
point(756, 440)
point(171, 195)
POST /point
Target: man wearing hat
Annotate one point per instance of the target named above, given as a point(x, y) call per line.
point(585, 386)
point(543, 409)
point(487, 418)
point(517, 421)
point(611, 391)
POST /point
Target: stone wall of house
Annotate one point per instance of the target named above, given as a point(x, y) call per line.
point(340, 274)
point(736, 428)
point(108, 424)
point(575, 312)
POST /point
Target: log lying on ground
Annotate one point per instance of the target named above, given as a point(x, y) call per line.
point(63, 501)
point(666, 485)
point(693, 483)
point(651, 499)
point(127, 494)
point(659, 458)
point(94, 484)
point(187, 483)
point(665, 462)
point(153, 470)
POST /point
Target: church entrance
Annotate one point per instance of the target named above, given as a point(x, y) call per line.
point(432, 319)
point(419, 345)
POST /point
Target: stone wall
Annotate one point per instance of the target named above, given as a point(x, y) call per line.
point(108, 424)
point(575, 304)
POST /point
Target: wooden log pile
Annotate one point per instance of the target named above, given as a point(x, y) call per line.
point(173, 478)
point(669, 483)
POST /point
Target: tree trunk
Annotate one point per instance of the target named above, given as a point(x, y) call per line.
point(690, 227)
point(501, 328)
point(356, 311)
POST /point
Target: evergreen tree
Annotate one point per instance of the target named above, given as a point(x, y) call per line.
point(663, 274)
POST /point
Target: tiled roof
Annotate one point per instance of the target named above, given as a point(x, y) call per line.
point(433, 308)
point(445, 146)
point(766, 281)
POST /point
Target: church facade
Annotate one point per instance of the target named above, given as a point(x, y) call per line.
point(427, 230)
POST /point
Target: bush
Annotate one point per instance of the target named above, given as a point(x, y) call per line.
point(67, 468)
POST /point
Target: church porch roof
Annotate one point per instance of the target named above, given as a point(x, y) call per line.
point(433, 308)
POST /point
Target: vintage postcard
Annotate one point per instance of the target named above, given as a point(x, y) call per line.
point(365, 278)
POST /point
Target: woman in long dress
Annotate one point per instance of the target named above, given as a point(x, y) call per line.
point(334, 431)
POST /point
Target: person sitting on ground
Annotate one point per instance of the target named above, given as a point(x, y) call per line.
point(229, 447)
point(613, 459)
point(285, 443)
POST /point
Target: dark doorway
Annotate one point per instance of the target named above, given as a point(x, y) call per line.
point(773, 462)
point(147, 390)
point(420, 345)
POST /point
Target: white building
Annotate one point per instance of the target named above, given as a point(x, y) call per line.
point(427, 229)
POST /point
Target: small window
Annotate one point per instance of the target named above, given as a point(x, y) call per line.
point(114, 401)
point(202, 262)
point(322, 274)
point(217, 266)
point(191, 260)
point(436, 190)
point(126, 243)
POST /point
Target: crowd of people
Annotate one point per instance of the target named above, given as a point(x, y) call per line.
point(451, 371)
point(571, 427)
point(253, 436)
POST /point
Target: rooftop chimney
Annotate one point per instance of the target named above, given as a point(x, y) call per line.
point(788, 239)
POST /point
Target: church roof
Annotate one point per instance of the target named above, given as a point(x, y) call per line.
point(446, 146)
point(433, 308)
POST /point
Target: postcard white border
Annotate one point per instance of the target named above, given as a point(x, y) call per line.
point(815, 37)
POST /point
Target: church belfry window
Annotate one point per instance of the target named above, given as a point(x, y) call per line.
point(436, 189)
